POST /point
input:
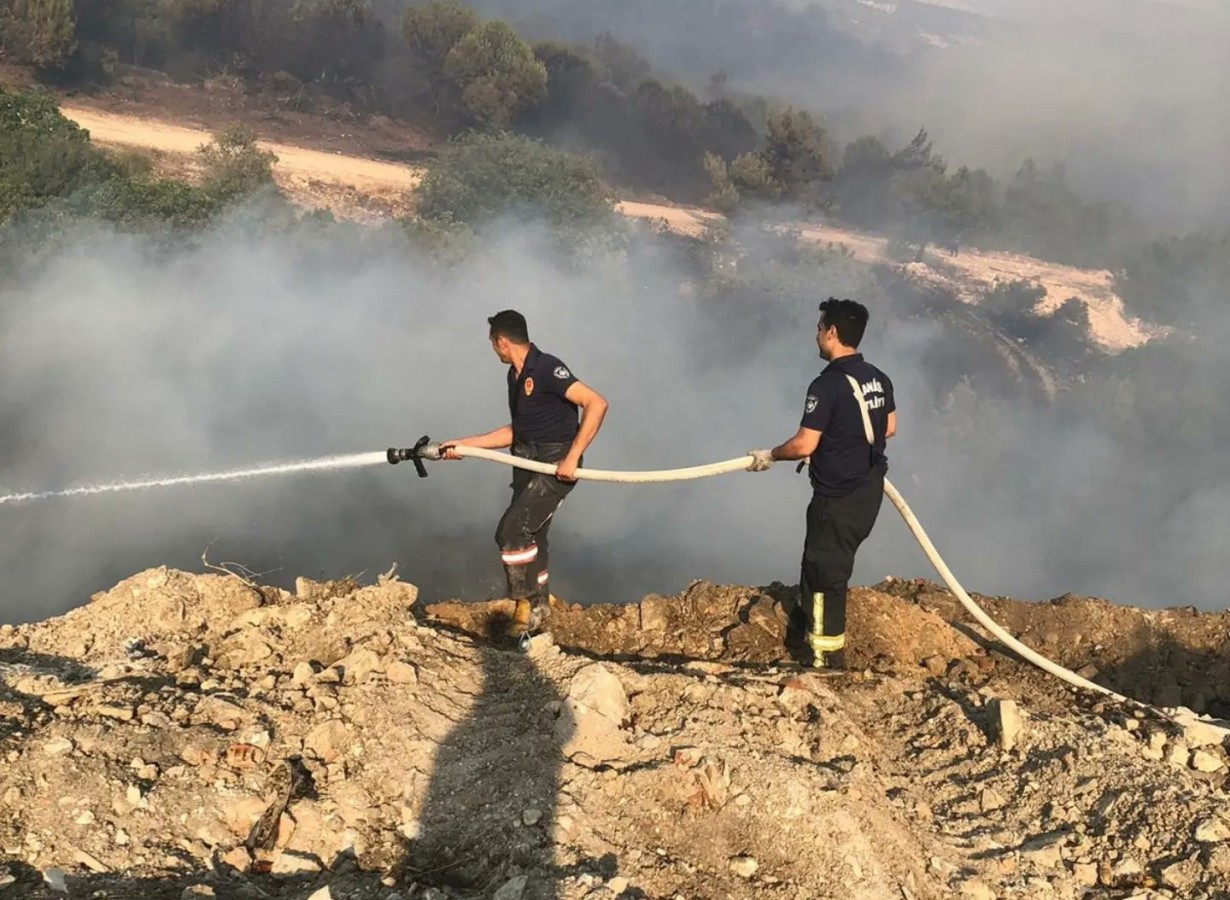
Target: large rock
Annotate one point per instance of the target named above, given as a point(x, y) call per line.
point(221, 714)
point(1212, 831)
point(244, 649)
point(653, 613)
point(744, 866)
point(328, 741)
point(513, 889)
point(1204, 761)
point(1218, 861)
point(359, 666)
point(1009, 724)
point(1198, 732)
point(589, 728)
point(241, 814)
point(1183, 875)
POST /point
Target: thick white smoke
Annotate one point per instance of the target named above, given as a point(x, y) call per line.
point(119, 362)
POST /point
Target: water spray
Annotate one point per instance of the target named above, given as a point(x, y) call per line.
point(322, 463)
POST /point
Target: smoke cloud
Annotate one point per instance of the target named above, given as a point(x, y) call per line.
point(1129, 96)
point(1125, 95)
point(245, 349)
point(120, 361)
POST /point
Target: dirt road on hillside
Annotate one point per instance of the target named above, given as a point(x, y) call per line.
point(357, 172)
point(341, 181)
point(346, 183)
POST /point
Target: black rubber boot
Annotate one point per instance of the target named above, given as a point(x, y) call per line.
point(796, 636)
point(833, 660)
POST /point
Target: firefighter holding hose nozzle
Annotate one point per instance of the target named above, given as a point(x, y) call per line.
point(553, 418)
point(848, 416)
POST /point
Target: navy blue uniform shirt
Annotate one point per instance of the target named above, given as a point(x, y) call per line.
point(843, 459)
point(540, 412)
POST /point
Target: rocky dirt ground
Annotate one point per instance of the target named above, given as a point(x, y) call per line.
point(188, 735)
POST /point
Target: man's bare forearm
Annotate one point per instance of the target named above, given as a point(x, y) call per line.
point(496, 439)
point(591, 420)
point(798, 447)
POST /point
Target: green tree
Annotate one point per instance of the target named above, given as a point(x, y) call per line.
point(725, 196)
point(627, 68)
point(914, 155)
point(917, 188)
point(1042, 215)
point(865, 156)
point(797, 154)
point(39, 32)
point(1180, 281)
point(480, 177)
point(746, 177)
point(573, 73)
point(235, 165)
point(446, 242)
point(141, 32)
point(155, 204)
point(726, 130)
point(862, 183)
point(50, 171)
point(432, 30)
point(969, 206)
point(669, 146)
point(753, 177)
point(43, 155)
point(435, 27)
point(496, 73)
point(329, 40)
point(214, 28)
point(1012, 305)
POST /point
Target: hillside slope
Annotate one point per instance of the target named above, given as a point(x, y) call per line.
point(362, 187)
point(657, 750)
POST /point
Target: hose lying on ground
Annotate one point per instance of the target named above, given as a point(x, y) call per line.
point(1180, 715)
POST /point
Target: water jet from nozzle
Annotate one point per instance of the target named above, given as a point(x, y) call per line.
point(323, 463)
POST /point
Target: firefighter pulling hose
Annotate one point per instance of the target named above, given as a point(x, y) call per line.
point(849, 415)
point(552, 418)
point(1181, 715)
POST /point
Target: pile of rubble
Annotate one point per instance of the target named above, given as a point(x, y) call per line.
point(201, 736)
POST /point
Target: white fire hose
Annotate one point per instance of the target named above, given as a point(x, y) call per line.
point(1180, 715)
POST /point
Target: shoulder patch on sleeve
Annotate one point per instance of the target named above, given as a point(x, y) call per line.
point(562, 373)
point(812, 402)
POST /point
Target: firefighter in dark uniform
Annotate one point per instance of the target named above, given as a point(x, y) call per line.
point(544, 399)
point(848, 416)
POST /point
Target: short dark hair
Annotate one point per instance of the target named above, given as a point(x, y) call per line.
point(510, 324)
point(849, 317)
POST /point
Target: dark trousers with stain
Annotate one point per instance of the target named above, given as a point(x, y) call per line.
point(836, 528)
point(522, 532)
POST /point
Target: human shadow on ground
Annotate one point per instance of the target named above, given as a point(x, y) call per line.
point(490, 811)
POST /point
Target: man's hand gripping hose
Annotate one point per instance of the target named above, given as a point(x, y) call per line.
point(759, 461)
